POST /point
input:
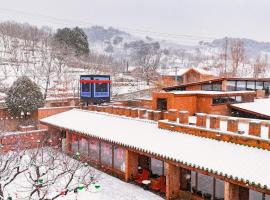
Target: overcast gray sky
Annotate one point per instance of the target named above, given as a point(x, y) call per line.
point(201, 18)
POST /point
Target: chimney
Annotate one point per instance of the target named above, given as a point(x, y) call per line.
point(214, 122)
point(172, 115)
point(150, 115)
point(183, 117)
point(254, 128)
point(201, 119)
point(157, 115)
point(232, 124)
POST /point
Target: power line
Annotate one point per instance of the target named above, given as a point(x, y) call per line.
point(63, 21)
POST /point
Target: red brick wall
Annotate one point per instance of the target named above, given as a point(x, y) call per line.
point(204, 105)
point(46, 112)
point(23, 140)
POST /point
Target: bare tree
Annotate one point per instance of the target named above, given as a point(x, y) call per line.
point(260, 66)
point(10, 166)
point(237, 55)
point(224, 57)
point(52, 174)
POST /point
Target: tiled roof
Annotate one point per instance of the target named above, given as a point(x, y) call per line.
point(226, 159)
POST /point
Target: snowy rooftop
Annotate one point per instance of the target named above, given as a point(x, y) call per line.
point(210, 92)
point(182, 71)
point(239, 161)
point(259, 106)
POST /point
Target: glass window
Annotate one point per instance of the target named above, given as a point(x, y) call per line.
point(185, 183)
point(259, 85)
point(240, 85)
point(83, 146)
point(207, 87)
point(219, 100)
point(205, 184)
point(219, 188)
point(217, 86)
point(101, 89)
point(254, 195)
point(75, 143)
point(193, 181)
point(85, 88)
point(106, 154)
point(250, 85)
point(94, 149)
point(119, 158)
point(231, 85)
point(266, 85)
point(156, 167)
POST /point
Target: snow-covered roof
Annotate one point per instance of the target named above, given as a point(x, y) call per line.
point(210, 92)
point(182, 71)
point(240, 161)
point(259, 106)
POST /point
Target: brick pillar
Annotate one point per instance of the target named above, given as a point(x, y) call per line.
point(183, 117)
point(121, 111)
point(142, 113)
point(115, 110)
point(131, 169)
point(214, 121)
point(172, 181)
point(201, 119)
point(235, 192)
point(165, 114)
point(232, 124)
point(157, 115)
point(127, 112)
point(134, 112)
point(172, 115)
point(150, 115)
point(94, 107)
point(254, 128)
point(98, 108)
point(68, 141)
point(109, 109)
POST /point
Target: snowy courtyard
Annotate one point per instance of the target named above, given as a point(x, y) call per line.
point(110, 188)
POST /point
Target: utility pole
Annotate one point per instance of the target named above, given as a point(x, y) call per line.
point(175, 78)
point(225, 55)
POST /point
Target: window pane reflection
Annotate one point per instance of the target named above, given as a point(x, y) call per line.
point(119, 158)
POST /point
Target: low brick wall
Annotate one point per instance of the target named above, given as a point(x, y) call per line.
point(23, 140)
point(46, 112)
point(215, 134)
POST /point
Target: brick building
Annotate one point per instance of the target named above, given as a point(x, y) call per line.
point(169, 154)
point(185, 75)
point(260, 85)
point(214, 102)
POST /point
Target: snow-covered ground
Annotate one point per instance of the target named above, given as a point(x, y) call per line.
point(111, 189)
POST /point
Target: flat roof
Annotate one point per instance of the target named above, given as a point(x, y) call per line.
point(240, 161)
point(204, 92)
point(260, 107)
point(216, 80)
